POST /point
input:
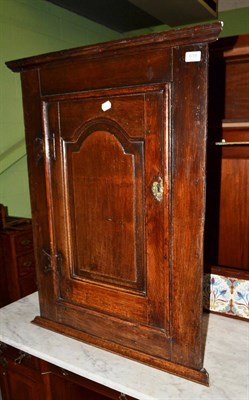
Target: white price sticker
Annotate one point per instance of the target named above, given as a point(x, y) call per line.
point(106, 105)
point(193, 56)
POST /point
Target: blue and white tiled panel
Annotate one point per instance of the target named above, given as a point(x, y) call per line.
point(228, 296)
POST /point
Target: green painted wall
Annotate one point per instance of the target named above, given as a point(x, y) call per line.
point(236, 22)
point(29, 27)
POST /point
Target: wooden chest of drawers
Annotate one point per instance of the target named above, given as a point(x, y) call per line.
point(17, 260)
point(116, 138)
point(25, 377)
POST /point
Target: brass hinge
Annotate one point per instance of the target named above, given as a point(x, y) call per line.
point(47, 261)
point(58, 257)
point(38, 149)
point(52, 148)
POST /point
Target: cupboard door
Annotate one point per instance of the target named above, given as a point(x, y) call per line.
point(107, 175)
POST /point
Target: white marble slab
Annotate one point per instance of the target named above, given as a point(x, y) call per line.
point(226, 358)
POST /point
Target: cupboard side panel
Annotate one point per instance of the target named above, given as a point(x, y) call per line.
point(188, 202)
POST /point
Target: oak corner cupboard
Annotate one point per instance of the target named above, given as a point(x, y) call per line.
point(116, 137)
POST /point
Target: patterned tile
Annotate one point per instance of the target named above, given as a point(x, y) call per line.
point(228, 296)
point(241, 298)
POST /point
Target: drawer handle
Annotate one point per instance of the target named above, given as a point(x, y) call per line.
point(3, 362)
point(64, 372)
point(3, 346)
point(122, 396)
point(25, 242)
point(21, 357)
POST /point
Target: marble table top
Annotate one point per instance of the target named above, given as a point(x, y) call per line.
point(226, 358)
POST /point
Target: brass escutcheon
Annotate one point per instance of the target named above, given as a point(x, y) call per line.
point(157, 189)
